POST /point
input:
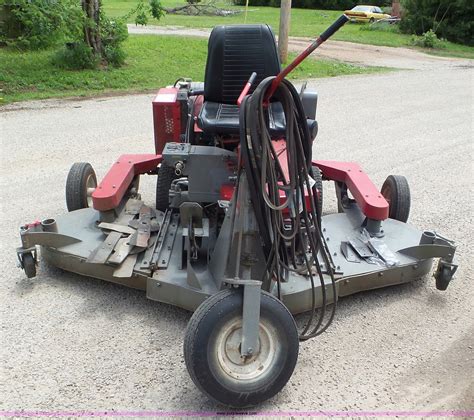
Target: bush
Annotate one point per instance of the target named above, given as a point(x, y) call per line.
point(113, 33)
point(156, 9)
point(40, 23)
point(76, 56)
point(427, 40)
point(381, 27)
point(450, 19)
point(316, 4)
point(115, 56)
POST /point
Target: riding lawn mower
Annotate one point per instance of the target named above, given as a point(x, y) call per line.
point(237, 233)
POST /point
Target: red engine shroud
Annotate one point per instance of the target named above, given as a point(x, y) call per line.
point(166, 118)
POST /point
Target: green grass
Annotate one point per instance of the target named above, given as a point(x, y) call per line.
point(152, 62)
point(304, 23)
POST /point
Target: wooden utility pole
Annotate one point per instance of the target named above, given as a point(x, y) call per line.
point(285, 15)
point(396, 8)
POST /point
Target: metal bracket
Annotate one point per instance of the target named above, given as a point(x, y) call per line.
point(433, 245)
point(250, 315)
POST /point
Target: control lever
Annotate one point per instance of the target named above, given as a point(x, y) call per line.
point(246, 88)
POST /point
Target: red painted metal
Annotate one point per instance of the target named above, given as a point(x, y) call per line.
point(315, 44)
point(244, 92)
point(366, 194)
point(166, 118)
point(32, 224)
point(280, 150)
point(113, 186)
point(246, 88)
point(290, 67)
point(227, 190)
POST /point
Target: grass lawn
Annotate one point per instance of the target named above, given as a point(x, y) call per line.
point(304, 22)
point(152, 62)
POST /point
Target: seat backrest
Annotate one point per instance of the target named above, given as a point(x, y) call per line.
point(234, 52)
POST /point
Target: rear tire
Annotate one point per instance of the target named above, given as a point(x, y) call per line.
point(166, 175)
point(81, 182)
point(212, 350)
point(396, 191)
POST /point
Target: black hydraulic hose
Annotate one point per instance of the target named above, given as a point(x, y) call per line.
point(266, 179)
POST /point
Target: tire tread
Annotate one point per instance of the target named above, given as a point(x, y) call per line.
point(75, 185)
point(165, 176)
point(199, 319)
point(401, 199)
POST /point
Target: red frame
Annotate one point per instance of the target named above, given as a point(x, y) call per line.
point(370, 200)
point(110, 191)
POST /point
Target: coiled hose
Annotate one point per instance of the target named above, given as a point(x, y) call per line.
point(299, 228)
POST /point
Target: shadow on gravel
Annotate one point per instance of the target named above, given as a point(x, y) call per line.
point(102, 298)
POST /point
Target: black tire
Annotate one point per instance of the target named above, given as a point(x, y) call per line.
point(205, 355)
point(372, 20)
point(166, 175)
point(29, 265)
point(341, 195)
point(318, 177)
point(443, 278)
point(81, 177)
point(396, 191)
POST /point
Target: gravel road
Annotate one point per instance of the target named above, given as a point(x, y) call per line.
point(73, 343)
point(350, 52)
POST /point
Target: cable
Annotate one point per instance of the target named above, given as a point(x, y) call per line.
point(290, 228)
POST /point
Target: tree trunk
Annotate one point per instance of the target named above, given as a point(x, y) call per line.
point(92, 27)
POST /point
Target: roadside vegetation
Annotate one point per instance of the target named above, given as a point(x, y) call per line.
point(71, 48)
point(304, 23)
point(152, 62)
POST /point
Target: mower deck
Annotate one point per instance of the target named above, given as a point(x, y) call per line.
point(171, 282)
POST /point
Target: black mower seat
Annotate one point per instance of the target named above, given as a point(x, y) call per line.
point(216, 118)
point(234, 52)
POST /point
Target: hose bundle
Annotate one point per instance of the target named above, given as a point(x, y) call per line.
point(290, 230)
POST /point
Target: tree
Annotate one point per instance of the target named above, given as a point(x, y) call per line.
point(92, 37)
point(450, 19)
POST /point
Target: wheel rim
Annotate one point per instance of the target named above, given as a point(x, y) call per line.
point(248, 368)
point(91, 185)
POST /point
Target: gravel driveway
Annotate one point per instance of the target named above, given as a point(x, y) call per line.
point(73, 343)
point(350, 52)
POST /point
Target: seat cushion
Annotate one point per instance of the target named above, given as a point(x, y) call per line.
point(234, 52)
point(217, 118)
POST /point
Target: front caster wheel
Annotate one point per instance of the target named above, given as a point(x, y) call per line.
point(444, 274)
point(29, 265)
point(80, 184)
point(396, 191)
point(212, 350)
